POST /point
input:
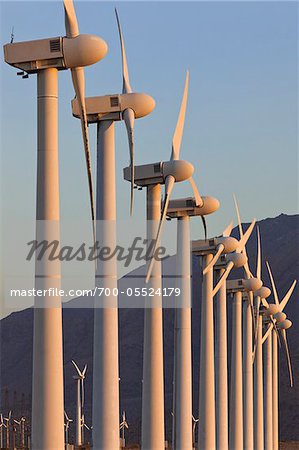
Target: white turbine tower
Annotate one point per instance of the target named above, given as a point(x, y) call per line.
point(182, 210)
point(152, 176)
point(45, 57)
point(221, 358)
point(104, 111)
point(80, 401)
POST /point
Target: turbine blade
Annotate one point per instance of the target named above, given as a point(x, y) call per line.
point(214, 260)
point(84, 370)
point(248, 274)
point(71, 24)
point(169, 183)
point(267, 333)
point(238, 216)
point(250, 299)
point(126, 82)
point(272, 284)
point(223, 278)
point(246, 266)
point(276, 330)
point(285, 342)
point(178, 133)
point(265, 303)
point(198, 199)
point(77, 368)
point(286, 298)
point(256, 326)
point(204, 222)
point(79, 87)
point(245, 237)
point(228, 230)
point(259, 254)
point(129, 118)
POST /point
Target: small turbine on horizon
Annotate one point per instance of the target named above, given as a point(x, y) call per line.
point(79, 378)
point(68, 420)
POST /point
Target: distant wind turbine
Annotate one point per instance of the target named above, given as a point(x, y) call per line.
point(2, 425)
point(278, 321)
point(123, 425)
point(80, 400)
point(68, 420)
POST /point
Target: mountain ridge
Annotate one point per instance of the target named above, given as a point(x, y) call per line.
point(278, 237)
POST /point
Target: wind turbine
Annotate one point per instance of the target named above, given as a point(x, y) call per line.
point(104, 111)
point(209, 251)
point(7, 420)
point(274, 311)
point(122, 426)
point(258, 392)
point(172, 171)
point(80, 400)
point(221, 348)
point(45, 57)
point(19, 422)
point(182, 210)
point(251, 285)
point(152, 176)
point(2, 425)
point(67, 426)
point(229, 253)
point(194, 423)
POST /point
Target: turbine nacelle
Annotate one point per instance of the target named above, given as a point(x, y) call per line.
point(238, 259)
point(280, 317)
point(156, 173)
point(263, 292)
point(252, 284)
point(83, 50)
point(112, 106)
point(58, 52)
point(273, 309)
point(179, 169)
point(285, 324)
point(187, 207)
point(229, 243)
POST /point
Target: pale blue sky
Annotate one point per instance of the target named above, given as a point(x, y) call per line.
point(241, 124)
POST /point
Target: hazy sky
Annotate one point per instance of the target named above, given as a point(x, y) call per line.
point(241, 124)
